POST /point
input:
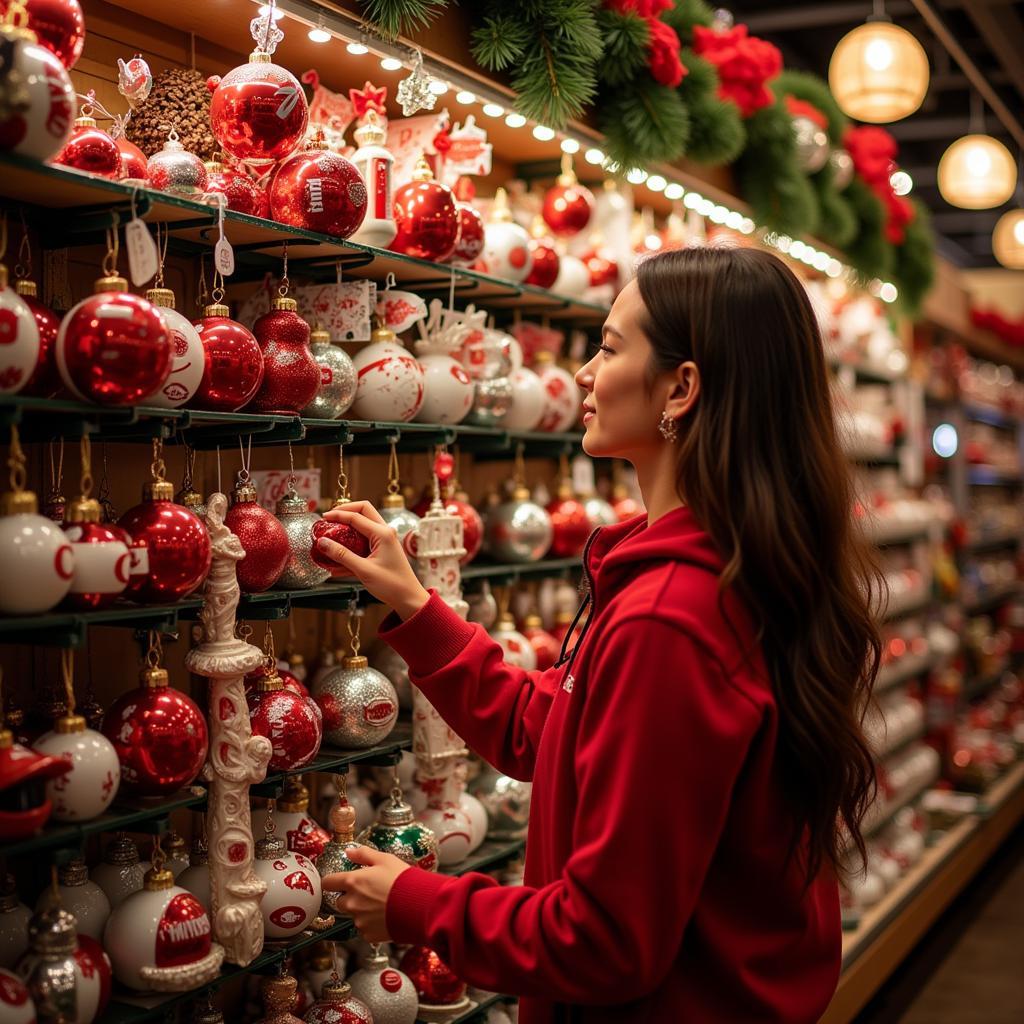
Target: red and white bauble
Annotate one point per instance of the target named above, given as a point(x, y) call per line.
point(89, 788)
point(518, 650)
point(529, 400)
point(94, 975)
point(187, 358)
point(291, 376)
point(45, 381)
point(114, 347)
point(447, 390)
point(90, 149)
point(59, 25)
point(568, 205)
point(426, 217)
point(287, 719)
point(293, 895)
point(16, 1006)
point(19, 339)
point(435, 982)
point(238, 190)
point(261, 535)
point(233, 362)
point(573, 277)
point(338, 1005)
point(452, 827)
point(562, 396)
point(387, 992)
point(101, 560)
point(602, 268)
point(390, 380)
point(544, 644)
point(374, 161)
point(35, 552)
point(506, 244)
point(293, 822)
point(41, 124)
point(156, 932)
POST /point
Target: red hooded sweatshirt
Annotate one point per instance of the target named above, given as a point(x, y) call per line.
point(657, 886)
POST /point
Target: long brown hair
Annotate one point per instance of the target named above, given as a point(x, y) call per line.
point(761, 466)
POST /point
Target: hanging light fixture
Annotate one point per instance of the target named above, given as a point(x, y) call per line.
point(879, 71)
point(1008, 240)
point(977, 172)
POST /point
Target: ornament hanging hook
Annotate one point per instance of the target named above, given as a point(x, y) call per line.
point(354, 623)
point(342, 477)
point(282, 287)
point(67, 674)
point(23, 268)
point(57, 471)
point(16, 462)
point(155, 650)
point(291, 472)
point(394, 486)
point(157, 467)
point(243, 474)
point(113, 245)
point(85, 450)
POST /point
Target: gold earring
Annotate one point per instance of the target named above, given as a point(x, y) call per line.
point(669, 428)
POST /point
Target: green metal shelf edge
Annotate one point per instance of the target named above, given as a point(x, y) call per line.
point(490, 854)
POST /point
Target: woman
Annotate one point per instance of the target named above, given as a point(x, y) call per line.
point(698, 764)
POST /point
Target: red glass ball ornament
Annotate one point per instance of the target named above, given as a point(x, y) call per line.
point(102, 564)
point(341, 533)
point(113, 347)
point(544, 644)
point(426, 216)
point(435, 982)
point(263, 538)
point(568, 206)
point(234, 362)
point(602, 270)
point(159, 734)
point(291, 376)
point(625, 507)
point(472, 523)
point(471, 237)
point(45, 380)
point(91, 149)
point(138, 558)
point(242, 194)
point(569, 524)
point(319, 190)
point(293, 683)
point(59, 25)
point(546, 263)
point(134, 165)
point(174, 542)
point(287, 720)
point(258, 112)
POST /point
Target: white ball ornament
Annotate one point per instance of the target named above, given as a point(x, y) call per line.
point(477, 814)
point(447, 390)
point(89, 788)
point(518, 649)
point(120, 873)
point(573, 277)
point(389, 994)
point(41, 125)
point(14, 918)
point(561, 395)
point(16, 1006)
point(529, 400)
point(188, 359)
point(506, 244)
point(93, 975)
point(196, 877)
point(389, 380)
point(293, 896)
point(19, 339)
point(35, 552)
point(599, 512)
point(81, 897)
point(452, 828)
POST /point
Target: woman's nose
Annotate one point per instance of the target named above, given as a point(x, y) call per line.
point(585, 377)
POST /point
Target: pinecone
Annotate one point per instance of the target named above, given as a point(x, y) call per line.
point(180, 99)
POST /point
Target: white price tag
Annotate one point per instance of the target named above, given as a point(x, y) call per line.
point(223, 254)
point(143, 258)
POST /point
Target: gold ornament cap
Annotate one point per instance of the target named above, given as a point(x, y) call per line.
point(422, 171)
point(158, 490)
point(85, 121)
point(269, 683)
point(154, 678)
point(259, 57)
point(352, 661)
point(506, 621)
point(23, 286)
point(318, 336)
point(243, 491)
point(295, 799)
point(19, 503)
point(110, 283)
point(216, 309)
point(393, 501)
point(500, 212)
point(565, 490)
point(213, 166)
point(3, 276)
point(379, 334)
point(158, 879)
point(67, 725)
point(343, 822)
point(371, 132)
point(278, 994)
point(533, 621)
point(286, 303)
point(162, 297)
point(543, 358)
point(189, 497)
point(521, 493)
point(174, 842)
point(83, 510)
point(121, 850)
point(395, 811)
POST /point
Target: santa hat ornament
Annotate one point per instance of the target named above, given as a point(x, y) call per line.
point(448, 391)
point(333, 859)
point(159, 938)
point(389, 994)
point(120, 873)
point(338, 1005)
point(292, 820)
point(442, 993)
point(396, 831)
point(293, 897)
point(82, 897)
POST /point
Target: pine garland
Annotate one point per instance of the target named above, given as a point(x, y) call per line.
point(553, 47)
point(869, 253)
point(684, 14)
point(814, 90)
point(837, 223)
point(717, 134)
point(393, 18)
point(643, 124)
point(626, 38)
point(914, 264)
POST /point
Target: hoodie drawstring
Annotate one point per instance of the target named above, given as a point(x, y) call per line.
point(564, 656)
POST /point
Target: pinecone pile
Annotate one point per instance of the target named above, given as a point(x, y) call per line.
point(181, 100)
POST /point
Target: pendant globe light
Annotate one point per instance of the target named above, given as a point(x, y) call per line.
point(977, 171)
point(878, 72)
point(1008, 240)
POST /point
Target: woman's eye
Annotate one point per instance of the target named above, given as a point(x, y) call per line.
point(606, 349)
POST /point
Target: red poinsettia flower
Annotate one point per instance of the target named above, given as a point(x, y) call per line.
point(745, 64)
point(663, 54)
point(873, 151)
point(801, 108)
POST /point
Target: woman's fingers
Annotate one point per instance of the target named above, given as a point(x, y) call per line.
point(364, 508)
point(348, 560)
point(362, 524)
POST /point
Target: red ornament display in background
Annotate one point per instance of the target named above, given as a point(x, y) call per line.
point(261, 535)
point(174, 542)
point(472, 524)
point(426, 216)
point(602, 269)
point(436, 983)
point(90, 149)
point(341, 533)
point(159, 734)
point(19, 340)
point(234, 362)
point(291, 376)
point(102, 562)
point(319, 190)
point(242, 194)
point(59, 26)
point(544, 644)
point(134, 165)
point(471, 226)
point(93, 977)
point(569, 523)
point(568, 205)
point(287, 720)
point(113, 347)
point(546, 261)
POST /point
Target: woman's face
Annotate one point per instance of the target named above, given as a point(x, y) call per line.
point(622, 413)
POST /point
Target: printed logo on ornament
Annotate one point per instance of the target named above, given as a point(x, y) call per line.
point(183, 935)
point(379, 712)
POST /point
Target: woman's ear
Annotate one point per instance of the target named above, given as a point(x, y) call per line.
point(684, 391)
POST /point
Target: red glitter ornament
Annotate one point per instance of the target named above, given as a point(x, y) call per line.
point(544, 644)
point(319, 190)
point(134, 165)
point(570, 526)
point(435, 982)
point(261, 535)
point(472, 524)
point(159, 734)
point(426, 216)
point(234, 362)
point(341, 533)
point(45, 380)
point(113, 347)
point(90, 149)
point(291, 376)
point(242, 194)
point(59, 26)
point(444, 467)
point(287, 720)
point(175, 547)
point(568, 205)
point(337, 1005)
point(624, 506)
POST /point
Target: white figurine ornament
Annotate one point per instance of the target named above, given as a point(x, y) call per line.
point(447, 388)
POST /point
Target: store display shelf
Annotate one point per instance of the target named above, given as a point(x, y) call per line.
point(68, 201)
point(889, 930)
point(504, 574)
point(993, 542)
point(888, 535)
point(477, 1010)
point(891, 749)
point(136, 816)
point(491, 854)
point(908, 667)
point(991, 416)
point(990, 476)
point(875, 821)
point(913, 603)
point(990, 598)
point(70, 629)
point(864, 373)
point(978, 686)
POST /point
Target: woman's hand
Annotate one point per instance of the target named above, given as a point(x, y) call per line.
point(385, 572)
point(365, 892)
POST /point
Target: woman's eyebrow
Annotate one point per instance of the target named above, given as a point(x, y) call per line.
point(608, 329)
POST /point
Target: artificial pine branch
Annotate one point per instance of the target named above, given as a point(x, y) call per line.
point(645, 123)
point(684, 14)
point(717, 132)
point(499, 42)
point(402, 17)
point(814, 90)
point(837, 222)
point(626, 38)
point(869, 252)
point(701, 78)
point(914, 265)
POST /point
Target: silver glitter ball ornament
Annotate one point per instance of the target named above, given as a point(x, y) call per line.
point(359, 704)
point(387, 660)
point(174, 169)
point(301, 572)
point(390, 994)
point(842, 168)
point(334, 858)
point(599, 512)
point(492, 400)
point(48, 968)
point(396, 831)
point(337, 378)
point(506, 800)
point(811, 144)
point(401, 519)
point(518, 530)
